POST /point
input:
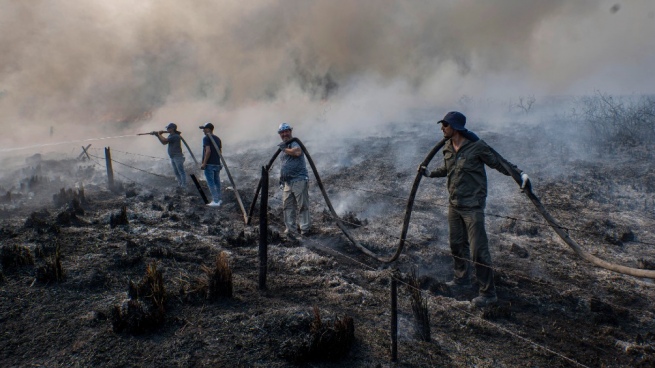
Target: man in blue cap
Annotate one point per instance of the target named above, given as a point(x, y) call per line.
point(211, 163)
point(174, 142)
point(294, 180)
point(465, 156)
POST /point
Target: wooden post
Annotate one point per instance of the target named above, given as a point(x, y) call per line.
point(202, 192)
point(84, 152)
point(394, 317)
point(110, 170)
point(263, 231)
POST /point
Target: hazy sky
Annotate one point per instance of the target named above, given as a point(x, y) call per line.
point(85, 65)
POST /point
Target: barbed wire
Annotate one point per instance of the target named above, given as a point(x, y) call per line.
point(135, 168)
point(432, 297)
point(139, 154)
point(422, 201)
point(443, 252)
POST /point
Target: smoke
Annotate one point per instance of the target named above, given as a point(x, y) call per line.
point(113, 67)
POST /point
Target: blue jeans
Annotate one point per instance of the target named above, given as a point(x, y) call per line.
point(214, 180)
point(178, 168)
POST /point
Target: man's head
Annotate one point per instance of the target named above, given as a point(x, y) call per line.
point(171, 127)
point(207, 128)
point(284, 130)
point(453, 123)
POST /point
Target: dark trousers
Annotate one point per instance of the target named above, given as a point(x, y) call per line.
point(468, 241)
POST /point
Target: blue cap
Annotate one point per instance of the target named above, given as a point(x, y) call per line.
point(283, 127)
point(455, 119)
point(171, 126)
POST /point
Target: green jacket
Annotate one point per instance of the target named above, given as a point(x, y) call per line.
point(467, 179)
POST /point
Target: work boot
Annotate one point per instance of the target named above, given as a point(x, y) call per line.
point(307, 232)
point(483, 300)
point(215, 204)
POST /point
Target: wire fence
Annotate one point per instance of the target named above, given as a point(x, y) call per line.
point(398, 198)
point(433, 298)
point(95, 160)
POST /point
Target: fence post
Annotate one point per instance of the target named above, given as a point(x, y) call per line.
point(199, 187)
point(110, 170)
point(394, 317)
point(263, 231)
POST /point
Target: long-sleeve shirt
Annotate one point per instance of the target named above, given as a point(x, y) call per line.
point(467, 179)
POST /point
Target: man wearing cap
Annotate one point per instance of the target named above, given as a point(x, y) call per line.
point(211, 163)
point(465, 156)
point(174, 142)
point(294, 181)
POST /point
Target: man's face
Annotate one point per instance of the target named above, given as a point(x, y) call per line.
point(285, 135)
point(170, 130)
point(447, 130)
point(207, 131)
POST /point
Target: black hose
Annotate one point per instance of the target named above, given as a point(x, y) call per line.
point(408, 209)
point(516, 175)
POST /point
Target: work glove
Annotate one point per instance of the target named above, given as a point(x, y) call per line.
point(282, 145)
point(423, 171)
point(525, 181)
point(153, 133)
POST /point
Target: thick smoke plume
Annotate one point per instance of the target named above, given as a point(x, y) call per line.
point(102, 67)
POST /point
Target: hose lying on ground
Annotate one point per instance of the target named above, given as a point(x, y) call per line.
point(637, 272)
point(516, 175)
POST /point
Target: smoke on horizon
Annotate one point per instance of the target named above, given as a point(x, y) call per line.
point(107, 68)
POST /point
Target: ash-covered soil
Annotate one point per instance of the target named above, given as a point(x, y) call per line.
point(554, 310)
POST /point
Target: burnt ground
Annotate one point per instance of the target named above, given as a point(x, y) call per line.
point(555, 309)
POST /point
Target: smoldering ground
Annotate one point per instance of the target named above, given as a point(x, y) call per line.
point(363, 85)
point(549, 297)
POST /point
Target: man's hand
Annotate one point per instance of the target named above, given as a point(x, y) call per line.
point(423, 171)
point(525, 181)
point(282, 145)
point(161, 132)
point(203, 166)
point(153, 133)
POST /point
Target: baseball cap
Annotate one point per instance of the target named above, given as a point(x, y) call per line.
point(283, 127)
point(207, 125)
point(171, 126)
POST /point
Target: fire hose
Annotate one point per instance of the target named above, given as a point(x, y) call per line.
point(340, 224)
point(516, 175)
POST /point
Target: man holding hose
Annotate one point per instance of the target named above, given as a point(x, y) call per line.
point(465, 156)
point(174, 142)
point(294, 181)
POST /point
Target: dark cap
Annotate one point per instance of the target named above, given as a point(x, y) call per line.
point(209, 126)
point(455, 119)
point(171, 126)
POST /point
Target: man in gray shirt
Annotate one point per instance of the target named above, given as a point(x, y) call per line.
point(174, 142)
point(295, 183)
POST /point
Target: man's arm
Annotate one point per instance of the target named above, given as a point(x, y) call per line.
point(162, 139)
point(493, 159)
point(205, 157)
point(438, 173)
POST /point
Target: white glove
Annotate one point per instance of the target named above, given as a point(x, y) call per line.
point(525, 180)
point(424, 171)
